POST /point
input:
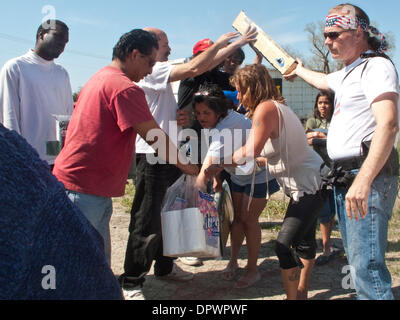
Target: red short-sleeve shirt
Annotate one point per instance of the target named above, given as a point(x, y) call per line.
point(100, 138)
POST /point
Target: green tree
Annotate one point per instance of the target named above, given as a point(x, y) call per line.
point(321, 58)
point(76, 94)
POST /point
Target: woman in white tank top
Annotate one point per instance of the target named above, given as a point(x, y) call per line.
point(278, 136)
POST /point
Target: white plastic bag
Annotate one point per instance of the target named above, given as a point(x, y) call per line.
point(190, 225)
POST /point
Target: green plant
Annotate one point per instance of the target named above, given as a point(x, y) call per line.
point(127, 199)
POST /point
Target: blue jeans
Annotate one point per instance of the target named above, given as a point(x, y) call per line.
point(327, 212)
point(98, 211)
point(365, 241)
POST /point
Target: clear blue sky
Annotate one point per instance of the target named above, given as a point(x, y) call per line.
point(95, 26)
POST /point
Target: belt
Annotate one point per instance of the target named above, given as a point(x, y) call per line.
point(390, 168)
point(349, 163)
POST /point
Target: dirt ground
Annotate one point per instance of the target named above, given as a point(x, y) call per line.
point(325, 284)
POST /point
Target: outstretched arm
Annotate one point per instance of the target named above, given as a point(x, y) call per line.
point(259, 56)
point(211, 57)
point(224, 53)
point(316, 79)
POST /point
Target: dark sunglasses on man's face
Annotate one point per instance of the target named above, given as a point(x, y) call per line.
point(333, 35)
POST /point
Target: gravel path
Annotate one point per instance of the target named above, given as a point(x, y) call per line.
point(326, 281)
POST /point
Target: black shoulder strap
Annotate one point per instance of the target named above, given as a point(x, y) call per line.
point(364, 62)
point(371, 55)
point(368, 57)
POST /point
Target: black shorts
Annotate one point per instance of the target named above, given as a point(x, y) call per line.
point(297, 236)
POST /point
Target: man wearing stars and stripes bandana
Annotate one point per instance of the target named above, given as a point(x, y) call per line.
point(362, 135)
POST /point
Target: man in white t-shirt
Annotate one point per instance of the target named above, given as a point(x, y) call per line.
point(152, 180)
point(366, 109)
point(33, 89)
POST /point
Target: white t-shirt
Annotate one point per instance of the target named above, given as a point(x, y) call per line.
point(353, 119)
point(229, 135)
point(32, 90)
point(162, 103)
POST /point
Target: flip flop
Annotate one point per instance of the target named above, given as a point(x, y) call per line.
point(229, 273)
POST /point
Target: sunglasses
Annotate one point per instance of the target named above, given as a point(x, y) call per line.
point(334, 35)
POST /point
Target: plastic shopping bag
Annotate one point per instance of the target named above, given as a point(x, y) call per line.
point(209, 211)
point(189, 218)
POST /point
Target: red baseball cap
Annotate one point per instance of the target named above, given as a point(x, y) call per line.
point(202, 45)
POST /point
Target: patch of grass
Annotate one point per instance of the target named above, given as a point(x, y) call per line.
point(127, 199)
point(275, 209)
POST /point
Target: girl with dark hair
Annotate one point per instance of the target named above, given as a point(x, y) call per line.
point(278, 136)
point(228, 133)
point(323, 111)
point(317, 126)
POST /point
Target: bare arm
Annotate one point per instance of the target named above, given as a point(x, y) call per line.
point(202, 62)
point(169, 151)
point(265, 126)
point(203, 178)
point(224, 53)
point(385, 112)
point(259, 56)
point(316, 79)
point(211, 57)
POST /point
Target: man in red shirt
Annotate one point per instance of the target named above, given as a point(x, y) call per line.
point(110, 111)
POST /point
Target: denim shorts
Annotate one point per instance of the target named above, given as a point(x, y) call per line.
point(260, 190)
point(328, 211)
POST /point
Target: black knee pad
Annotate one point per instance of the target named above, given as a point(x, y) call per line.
point(307, 250)
point(287, 257)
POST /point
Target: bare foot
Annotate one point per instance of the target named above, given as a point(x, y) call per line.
point(247, 280)
point(302, 295)
point(230, 271)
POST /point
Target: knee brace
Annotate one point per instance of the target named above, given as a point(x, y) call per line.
point(287, 257)
point(307, 250)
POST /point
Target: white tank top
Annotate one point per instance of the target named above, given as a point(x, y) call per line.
point(293, 163)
